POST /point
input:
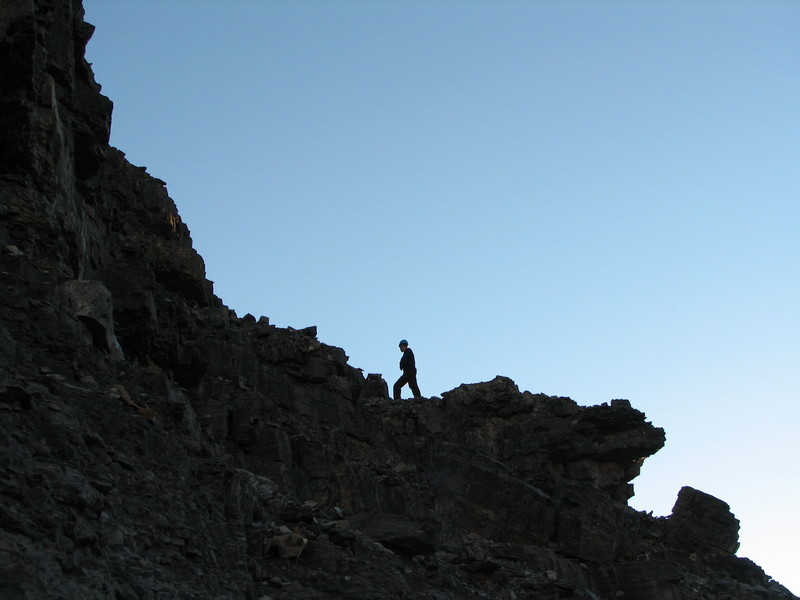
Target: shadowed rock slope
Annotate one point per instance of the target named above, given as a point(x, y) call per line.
point(154, 445)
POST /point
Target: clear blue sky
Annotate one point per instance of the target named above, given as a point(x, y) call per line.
point(597, 199)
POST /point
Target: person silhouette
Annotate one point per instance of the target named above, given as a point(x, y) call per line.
point(409, 367)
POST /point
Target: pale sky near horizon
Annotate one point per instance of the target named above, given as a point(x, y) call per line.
point(596, 199)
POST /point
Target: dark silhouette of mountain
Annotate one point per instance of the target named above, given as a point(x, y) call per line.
point(155, 445)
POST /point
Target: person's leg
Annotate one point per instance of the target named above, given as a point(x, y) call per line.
point(399, 384)
point(412, 383)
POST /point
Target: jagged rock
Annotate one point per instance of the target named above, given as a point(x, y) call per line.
point(288, 545)
point(224, 457)
point(90, 302)
point(699, 519)
point(375, 386)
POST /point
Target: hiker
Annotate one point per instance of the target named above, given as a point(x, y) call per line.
point(409, 368)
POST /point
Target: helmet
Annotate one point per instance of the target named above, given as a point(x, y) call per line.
point(403, 343)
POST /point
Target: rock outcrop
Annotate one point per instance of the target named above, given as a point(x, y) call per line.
point(156, 445)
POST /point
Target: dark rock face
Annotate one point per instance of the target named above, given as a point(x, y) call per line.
point(155, 445)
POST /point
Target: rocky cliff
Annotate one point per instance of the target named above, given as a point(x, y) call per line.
point(155, 445)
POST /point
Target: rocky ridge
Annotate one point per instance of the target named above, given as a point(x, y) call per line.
point(156, 445)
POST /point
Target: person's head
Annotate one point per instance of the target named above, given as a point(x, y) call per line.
point(403, 345)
